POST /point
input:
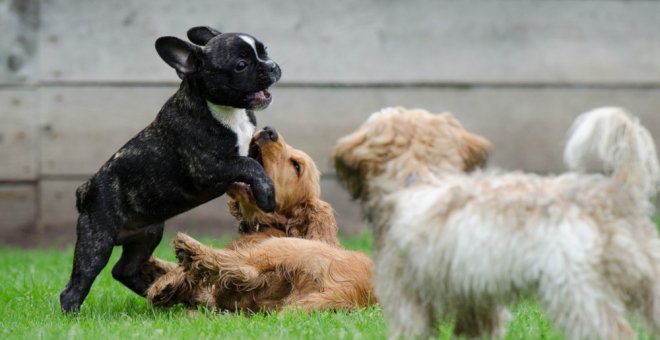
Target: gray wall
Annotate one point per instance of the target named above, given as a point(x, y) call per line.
point(80, 77)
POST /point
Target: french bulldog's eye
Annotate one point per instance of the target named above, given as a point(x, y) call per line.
point(241, 65)
point(296, 166)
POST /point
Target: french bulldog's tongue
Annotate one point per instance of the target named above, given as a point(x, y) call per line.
point(262, 95)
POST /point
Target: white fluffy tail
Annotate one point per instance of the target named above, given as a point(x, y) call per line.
point(612, 141)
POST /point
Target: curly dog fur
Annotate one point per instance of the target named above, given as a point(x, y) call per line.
point(264, 269)
point(453, 241)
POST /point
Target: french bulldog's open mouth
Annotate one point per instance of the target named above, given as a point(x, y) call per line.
point(260, 100)
point(262, 95)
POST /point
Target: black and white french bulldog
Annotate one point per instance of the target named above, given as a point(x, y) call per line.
point(190, 154)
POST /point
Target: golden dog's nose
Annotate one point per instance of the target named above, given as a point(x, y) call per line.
point(268, 133)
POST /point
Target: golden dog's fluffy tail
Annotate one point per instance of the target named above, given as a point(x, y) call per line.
point(612, 141)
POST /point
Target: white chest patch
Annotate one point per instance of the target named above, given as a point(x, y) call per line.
point(237, 121)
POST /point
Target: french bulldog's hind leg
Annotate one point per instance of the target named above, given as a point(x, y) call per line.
point(135, 254)
point(93, 249)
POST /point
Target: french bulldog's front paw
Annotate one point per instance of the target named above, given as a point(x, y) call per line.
point(264, 196)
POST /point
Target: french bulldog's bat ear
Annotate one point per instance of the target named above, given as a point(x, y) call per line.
point(201, 35)
point(181, 55)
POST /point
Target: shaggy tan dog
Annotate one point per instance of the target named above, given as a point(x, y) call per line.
point(263, 269)
point(453, 241)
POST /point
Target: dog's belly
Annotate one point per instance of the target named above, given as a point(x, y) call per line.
point(158, 205)
point(157, 189)
point(137, 201)
point(133, 232)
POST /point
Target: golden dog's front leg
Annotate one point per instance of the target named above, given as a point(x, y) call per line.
point(225, 267)
point(187, 249)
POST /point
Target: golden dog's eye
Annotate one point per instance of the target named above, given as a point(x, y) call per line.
point(296, 166)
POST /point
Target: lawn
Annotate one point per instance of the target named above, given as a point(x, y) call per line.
point(29, 308)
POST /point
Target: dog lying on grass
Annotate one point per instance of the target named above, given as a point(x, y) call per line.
point(452, 241)
point(264, 269)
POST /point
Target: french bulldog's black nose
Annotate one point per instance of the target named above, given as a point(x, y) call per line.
point(268, 133)
point(275, 72)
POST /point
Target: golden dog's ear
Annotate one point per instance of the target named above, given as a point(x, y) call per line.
point(474, 151)
point(314, 221)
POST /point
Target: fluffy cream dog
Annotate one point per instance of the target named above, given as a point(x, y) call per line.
point(452, 241)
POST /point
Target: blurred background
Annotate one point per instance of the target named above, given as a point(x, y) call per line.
point(78, 78)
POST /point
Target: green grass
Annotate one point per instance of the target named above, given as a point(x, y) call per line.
point(32, 279)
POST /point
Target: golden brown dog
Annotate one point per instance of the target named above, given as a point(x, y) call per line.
point(263, 269)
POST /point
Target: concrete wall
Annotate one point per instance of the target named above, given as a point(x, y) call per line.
point(79, 77)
